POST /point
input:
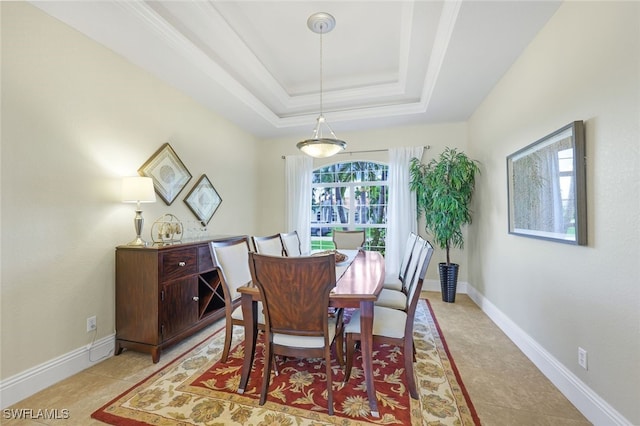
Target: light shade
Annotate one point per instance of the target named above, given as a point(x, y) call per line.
point(321, 148)
point(138, 189)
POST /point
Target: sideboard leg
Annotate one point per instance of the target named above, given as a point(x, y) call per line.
point(118, 349)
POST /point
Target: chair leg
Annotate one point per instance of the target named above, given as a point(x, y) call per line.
point(408, 368)
point(350, 350)
point(327, 361)
point(268, 359)
point(414, 351)
point(340, 349)
point(227, 341)
point(275, 366)
point(340, 339)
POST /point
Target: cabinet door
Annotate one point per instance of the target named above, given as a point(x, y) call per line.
point(179, 306)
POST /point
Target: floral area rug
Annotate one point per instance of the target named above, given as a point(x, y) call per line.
point(197, 389)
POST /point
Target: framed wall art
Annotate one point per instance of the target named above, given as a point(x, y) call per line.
point(547, 193)
point(169, 174)
point(203, 200)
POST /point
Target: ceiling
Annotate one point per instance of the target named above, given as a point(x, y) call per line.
point(258, 64)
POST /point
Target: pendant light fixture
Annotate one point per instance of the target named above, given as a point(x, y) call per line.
point(321, 146)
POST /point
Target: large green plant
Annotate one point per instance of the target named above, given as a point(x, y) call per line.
point(444, 187)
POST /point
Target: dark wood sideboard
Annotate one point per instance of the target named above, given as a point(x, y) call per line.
point(164, 294)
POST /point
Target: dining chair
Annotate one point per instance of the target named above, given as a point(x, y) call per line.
point(291, 243)
point(348, 240)
point(271, 245)
point(231, 258)
point(397, 299)
point(393, 326)
point(393, 283)
point(295, 296)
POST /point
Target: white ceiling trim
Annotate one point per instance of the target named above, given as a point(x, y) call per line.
point(185, 48)
point(242, 53)
point(234, 58)
point(337, 100)
point(446, 25)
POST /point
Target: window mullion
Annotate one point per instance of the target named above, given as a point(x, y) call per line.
point(352, 210)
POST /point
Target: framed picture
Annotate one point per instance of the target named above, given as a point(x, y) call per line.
point(169, 174)
point(203, 200)
point(547, 187)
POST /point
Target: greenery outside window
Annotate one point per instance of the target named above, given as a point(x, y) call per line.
point(349, 196)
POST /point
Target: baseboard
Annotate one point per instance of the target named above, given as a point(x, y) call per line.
point(590, 404)
point(16, 388)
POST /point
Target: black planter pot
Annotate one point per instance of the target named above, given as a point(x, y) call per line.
point(448, 281)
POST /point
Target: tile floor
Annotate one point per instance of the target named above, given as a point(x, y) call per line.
point(505, 387)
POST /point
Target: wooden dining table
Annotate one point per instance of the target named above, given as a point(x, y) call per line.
point(358, 285)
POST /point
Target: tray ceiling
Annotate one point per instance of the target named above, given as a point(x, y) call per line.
point(257, 64)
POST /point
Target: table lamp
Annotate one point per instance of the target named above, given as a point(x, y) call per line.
point(138, 189)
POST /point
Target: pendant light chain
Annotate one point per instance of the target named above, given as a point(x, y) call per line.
point(321, 33)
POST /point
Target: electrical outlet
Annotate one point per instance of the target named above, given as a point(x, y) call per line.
point(582, 358)
point(92, 323)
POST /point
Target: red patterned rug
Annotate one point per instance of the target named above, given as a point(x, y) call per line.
point(197, 389)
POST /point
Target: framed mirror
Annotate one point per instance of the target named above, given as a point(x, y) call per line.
point(547, 187)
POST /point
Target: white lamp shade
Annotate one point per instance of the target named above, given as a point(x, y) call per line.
point(321, 148)
point(138, 189)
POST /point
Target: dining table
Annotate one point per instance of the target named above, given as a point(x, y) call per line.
point(359, 281)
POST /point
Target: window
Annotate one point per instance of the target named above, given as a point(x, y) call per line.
point(349, 196)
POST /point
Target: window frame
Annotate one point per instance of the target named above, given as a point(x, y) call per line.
point(322, 240)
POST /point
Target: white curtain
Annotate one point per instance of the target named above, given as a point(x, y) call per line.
point(299, 169)
point(402, 217)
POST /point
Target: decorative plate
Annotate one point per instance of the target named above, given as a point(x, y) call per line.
point(340, 257)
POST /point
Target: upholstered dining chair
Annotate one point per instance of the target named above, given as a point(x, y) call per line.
point(395, 283)
point(295, 296)
point(291, 243)
point(271, 245)
point(397, 299)
point(348, 240)
point(393, 326)
point(231, 258)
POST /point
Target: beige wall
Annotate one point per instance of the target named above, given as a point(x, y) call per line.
point(75, 119)
point(584, 65)
point(271, 168)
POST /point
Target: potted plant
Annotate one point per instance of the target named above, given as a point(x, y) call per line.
point(444, 187)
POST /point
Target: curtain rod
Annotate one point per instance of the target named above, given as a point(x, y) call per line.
point(368, 150)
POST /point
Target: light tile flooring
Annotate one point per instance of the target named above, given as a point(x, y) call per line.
point(505, 387)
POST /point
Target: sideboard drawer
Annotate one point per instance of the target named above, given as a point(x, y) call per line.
point(205, 262)
point(179, 263)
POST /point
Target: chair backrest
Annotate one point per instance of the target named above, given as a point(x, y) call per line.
point(271, 245)
point(348, 240)
point(291, 243)
point(412, 265)
point(231, 257)
point(294, 292)
point(406, 257)
point(415, 287)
